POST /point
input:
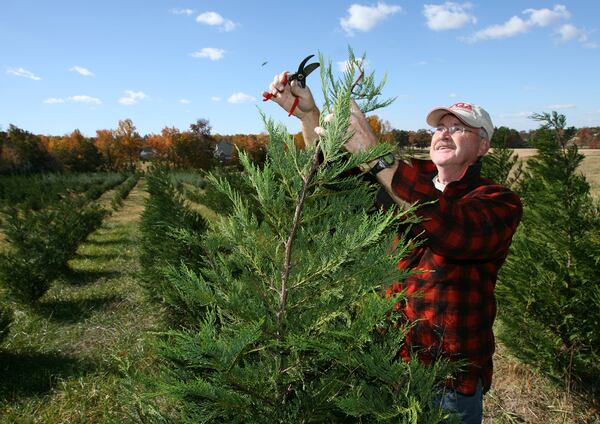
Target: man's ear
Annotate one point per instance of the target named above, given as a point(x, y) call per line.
point(484, 146)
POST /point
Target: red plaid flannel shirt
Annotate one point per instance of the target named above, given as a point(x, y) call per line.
point(467, 232)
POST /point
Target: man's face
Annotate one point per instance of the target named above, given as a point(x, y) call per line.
point(456, 150)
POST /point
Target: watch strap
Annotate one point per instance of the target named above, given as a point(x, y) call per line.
point(383, 162)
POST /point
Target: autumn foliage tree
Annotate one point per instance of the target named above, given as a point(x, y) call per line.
point(106, 143)
point(24, 152)
point(129, 144)
point(420, 138)
point(74, 152)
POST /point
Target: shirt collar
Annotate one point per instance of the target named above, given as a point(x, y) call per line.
point(437, 184)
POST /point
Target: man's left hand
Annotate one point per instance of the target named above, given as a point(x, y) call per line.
point(362, 136)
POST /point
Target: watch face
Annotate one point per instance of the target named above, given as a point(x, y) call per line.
point(389, 159)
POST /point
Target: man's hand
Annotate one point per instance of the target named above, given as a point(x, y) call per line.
point(362, 136)
point(284, 94)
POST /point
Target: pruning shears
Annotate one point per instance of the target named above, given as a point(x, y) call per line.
point(300, 76)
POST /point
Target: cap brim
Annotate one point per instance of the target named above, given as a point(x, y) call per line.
point(434, 117)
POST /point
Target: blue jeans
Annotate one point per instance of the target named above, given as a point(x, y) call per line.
point(470, 407)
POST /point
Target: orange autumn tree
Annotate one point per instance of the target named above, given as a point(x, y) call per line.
point(73, 152)
point(128, 146)
point(382, 129)
point(106, 143)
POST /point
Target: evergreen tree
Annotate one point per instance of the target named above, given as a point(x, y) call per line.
point(548, 289)
point(41, 243)
point(295, 327)
point(501, 164)
point(164, 215)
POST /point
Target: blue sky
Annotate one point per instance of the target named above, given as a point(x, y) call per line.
point(88, 64)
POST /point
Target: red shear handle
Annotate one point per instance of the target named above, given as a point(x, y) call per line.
point(294, 106)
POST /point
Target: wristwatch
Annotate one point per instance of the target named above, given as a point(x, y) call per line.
point(383, 162)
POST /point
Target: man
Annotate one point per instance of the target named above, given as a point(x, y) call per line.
point(467, 226)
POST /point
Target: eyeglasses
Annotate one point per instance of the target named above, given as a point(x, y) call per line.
point(451, 130)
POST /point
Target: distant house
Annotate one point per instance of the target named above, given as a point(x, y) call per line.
point(148, 153)
point(224, 151)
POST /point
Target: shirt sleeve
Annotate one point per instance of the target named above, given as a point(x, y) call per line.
point(478, 225)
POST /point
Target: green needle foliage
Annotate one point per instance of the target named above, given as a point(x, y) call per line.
point(164, 215)
point(123, 190)
point(548, 288)
point(501, 164)
point(295, 325)
point(41, 243)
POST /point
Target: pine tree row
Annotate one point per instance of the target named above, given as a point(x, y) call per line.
point(41, 242)
point(36, 191)
point(43, 225)
point(123, 190)
point(163, 221)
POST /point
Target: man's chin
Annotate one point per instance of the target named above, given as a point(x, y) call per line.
point(439, 158)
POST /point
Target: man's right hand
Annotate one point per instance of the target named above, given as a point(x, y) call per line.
point(284, 94)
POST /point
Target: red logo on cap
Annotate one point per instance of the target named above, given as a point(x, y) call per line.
point(465, 106)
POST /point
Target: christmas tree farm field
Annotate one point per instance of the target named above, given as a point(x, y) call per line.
point(82, 362)
point(74, 359)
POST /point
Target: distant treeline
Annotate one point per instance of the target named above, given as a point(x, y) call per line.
point(22, 152)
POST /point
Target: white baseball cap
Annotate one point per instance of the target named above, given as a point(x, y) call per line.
point(470, 114)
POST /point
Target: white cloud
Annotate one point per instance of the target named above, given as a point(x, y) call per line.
point(81, 71)
point(24, 73)
point(185, 101)
point(449, 15)
point(510, 28)
point(364, 18)
point(209, 52)
point(545, 17)
point(132, 97)
point(561, 106)
point(54, 100)
point(74, 99)
point(215, 99)
point(85, 99)
point(240, 98)
point(452, 95)
point(569, 32)
point(343, 65)
point(515, 25)
point(182, 11)
point(214, 19)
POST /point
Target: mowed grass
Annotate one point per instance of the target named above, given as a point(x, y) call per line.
point(519, 394)
point(79, 356)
